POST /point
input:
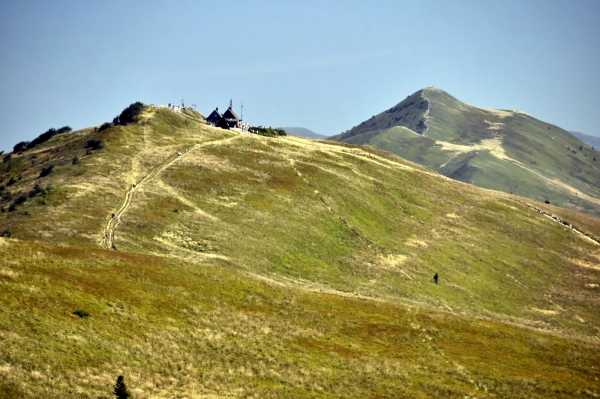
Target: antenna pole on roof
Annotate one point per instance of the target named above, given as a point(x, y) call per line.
point(231, 103)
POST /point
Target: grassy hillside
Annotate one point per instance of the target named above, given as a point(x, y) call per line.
point(177, 329)
point(497, 149)
point(285, 267)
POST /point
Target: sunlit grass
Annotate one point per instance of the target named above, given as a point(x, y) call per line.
point(286, 267)
point(176, 329)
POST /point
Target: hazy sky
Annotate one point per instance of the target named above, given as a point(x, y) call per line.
point(323, 65)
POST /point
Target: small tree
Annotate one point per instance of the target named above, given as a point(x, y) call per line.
point(95, 144)
point(46, 171)
point(121, 391)
point(131, 113)
point(105, 125)
point(20, 147)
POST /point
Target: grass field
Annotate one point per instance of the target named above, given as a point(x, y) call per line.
point(285, 267)
point(177, 329)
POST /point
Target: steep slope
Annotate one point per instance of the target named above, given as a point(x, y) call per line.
point(284, 267)
point(496, 149)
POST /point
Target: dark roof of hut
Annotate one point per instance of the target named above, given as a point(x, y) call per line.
point(230, 116)
point(214, 117)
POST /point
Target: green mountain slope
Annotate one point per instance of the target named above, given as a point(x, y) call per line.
point(496, 149)
point(283, 267)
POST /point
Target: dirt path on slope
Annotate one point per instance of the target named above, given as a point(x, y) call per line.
point(113, 220)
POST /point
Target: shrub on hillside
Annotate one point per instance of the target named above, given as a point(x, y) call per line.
point(42, 138)
point(81, 313)
point(130, 114)
point(95, 144)
point(47, 135)
point(20, 199)
point(105, 125)
point(11, 181)
point(6, 158)
point(268, 131)
point(46, 171)
point(37, 190)
point(121, 391)
point(75, 161)
point(6, 233)
point(7, 196)
point(20, 147)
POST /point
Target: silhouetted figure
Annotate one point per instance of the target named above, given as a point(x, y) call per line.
point(435, 278)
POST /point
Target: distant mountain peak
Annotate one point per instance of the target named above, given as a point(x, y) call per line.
point(492, 148)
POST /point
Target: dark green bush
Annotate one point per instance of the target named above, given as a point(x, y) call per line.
point(95, 144)
point(11, 181)
point(42, 138)
point(46, 171)
point(20, 147)
point(37, 190)
point(21, 199)
point(130, 114)
point(105, 125)
point(12, 208)
point(267, 131)
point(6, 233)
point(75, 160)
point(81, 313)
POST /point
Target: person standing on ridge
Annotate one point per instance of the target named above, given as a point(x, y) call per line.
point(435, 278)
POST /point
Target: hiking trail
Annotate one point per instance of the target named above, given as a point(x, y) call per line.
point(113, 221)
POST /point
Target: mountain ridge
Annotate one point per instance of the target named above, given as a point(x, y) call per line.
point(509, 150)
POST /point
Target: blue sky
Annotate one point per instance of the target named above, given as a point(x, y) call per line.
point(323, 65)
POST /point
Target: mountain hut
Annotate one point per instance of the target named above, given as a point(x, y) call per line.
point(231, 118)
point(214, 117)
